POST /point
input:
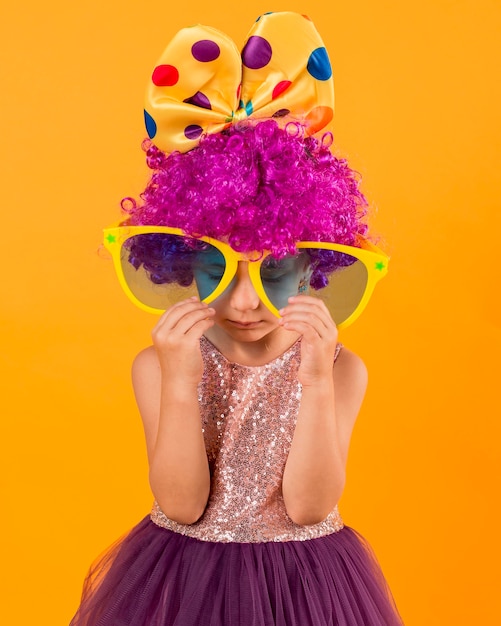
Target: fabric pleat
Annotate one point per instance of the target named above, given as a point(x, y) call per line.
point(156, 577)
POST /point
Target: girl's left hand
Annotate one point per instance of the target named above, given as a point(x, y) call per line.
point(309, 317)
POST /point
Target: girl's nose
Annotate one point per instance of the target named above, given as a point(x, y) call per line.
point(243, 296)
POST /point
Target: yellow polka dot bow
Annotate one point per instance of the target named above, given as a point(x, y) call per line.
point(202, 84)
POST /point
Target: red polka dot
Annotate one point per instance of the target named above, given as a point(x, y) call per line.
point(165, 76)
point(280, 88)
point(239, 91)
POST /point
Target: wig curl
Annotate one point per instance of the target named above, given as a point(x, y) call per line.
point(258, 187)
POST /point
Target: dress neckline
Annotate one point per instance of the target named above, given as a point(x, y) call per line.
point(286, 352)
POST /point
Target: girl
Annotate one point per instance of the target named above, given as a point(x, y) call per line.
point(247, 398)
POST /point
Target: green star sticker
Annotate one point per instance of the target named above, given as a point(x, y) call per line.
point(380, 266)
point(111, 238)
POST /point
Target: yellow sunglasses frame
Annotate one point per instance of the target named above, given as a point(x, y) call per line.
point(374, 260)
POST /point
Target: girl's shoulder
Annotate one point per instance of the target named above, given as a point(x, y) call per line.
point(350, 384)
point(145, 359)
point(348, 365)
point(146, 371)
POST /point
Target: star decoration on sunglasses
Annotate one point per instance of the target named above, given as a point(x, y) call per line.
point(380, 266)
point(111, 238)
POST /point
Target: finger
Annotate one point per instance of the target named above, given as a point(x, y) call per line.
point(303, 320)
point(310, 331)
point(308, 308)
point(307, 303)
point(318, 319)
point(173, 314)
point(192, 336)
point(191, 323)
point(182, 320)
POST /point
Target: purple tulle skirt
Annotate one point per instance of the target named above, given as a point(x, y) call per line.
point(155, 577)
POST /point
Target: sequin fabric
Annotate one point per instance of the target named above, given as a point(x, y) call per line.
point(248, 419)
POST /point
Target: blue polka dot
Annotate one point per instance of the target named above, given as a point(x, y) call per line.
point(319, 65)
point(249, 108)
point(151, 127)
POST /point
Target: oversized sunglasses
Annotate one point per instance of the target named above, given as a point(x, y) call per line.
point(158, 266)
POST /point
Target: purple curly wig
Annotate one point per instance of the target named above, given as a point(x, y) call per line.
point(257, 186)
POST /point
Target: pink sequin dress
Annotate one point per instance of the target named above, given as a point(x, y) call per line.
point(245, 562)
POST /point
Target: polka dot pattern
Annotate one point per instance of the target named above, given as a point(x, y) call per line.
point(205, 51)
point(193, 131)
point(151, 127)
point(257, 53)
point(165, 76)
point(282, 86)
point(201, 83)
point(199, 100)
point(319, 65)
point(318, 118)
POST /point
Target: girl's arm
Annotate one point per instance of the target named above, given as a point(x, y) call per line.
point(165, 379)
point(314, 475)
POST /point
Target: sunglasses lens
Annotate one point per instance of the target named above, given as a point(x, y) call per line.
point(283, 278)
point(161, 269)
point(339, 279)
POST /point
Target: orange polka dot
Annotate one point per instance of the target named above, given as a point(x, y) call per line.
point(318, 118)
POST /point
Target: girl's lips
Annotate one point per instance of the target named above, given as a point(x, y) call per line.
point(244, 324)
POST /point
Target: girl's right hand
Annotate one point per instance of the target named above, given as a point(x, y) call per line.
point(176, 338)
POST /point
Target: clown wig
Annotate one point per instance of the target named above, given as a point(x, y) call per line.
point(257, 186)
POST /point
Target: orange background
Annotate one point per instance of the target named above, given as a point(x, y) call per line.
point(418, 115)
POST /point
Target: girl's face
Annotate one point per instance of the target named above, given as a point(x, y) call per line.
point(239, 310)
